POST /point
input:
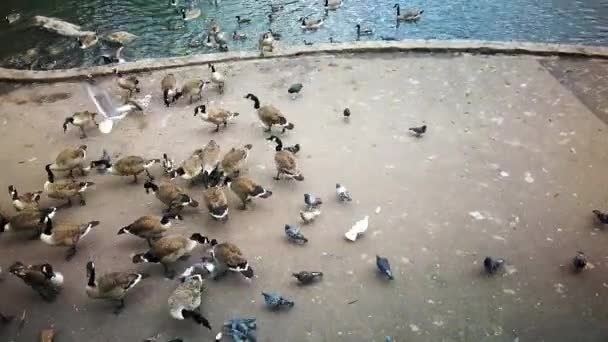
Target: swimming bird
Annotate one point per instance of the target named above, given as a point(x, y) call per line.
point(109, 109)
point(579, 261)
point(412, 14)
point(238, 36)
point(190, 13)
point(119, 37)
point(307, 43)
point(306, 277)
point(492, 265)
point(418, 131)
point(241, 20)
point(81, 120)
point(26, 201)
point(185, 301)
point(275, 301)
point(40, 277)
point(266, 42)
point(312, 201)
point(384, 267)
point(343, 194)
point(309, 215)
point(363, 31)
point(66, 234)
point(294, 235)
point(111, 286)
point(310, 24)
point(333, 4)
point(601, 216)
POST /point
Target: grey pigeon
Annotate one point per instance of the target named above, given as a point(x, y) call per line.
point(276, 301)
point(312, 201)
point(492, 265)
point(346, 112)
point(343, 194)
point(293, 149)
point(384, 266)
point(295, 88)
point(418, 131)
point(293, 234)
point(305, 277)
point(601, 216)
point(579, 261)
point(240, 329)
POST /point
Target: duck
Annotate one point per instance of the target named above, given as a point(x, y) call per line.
point(81, 120)
point(171, 195)
point(234, 160)
point(363, 31)
point(333, 4)
point(168, 86)
point(26, 201)
point(266, 42)
point(310, 24)
point(240, 20)
point(216, 202)
point(238, 36)
point(28, 222)
point(169, 249)
point(66, 234)
point(246, 189)
point(411, 14)
point(189, 169)
point(191, 13)
point(194, 88)
point(71, 158)
point(217, 78)
point(216, 116)
point(270, 115)
point(40, 277)
point(111, 286)
point(127, 166)
point(185, 301)
point(285, 161)
point(150, 227)
point(88, 40)
point(128, 83)
point(65, 189)
point(228, 257)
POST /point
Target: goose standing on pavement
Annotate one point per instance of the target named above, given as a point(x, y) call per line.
point(285, 161)
point(65, 189)
point(150, 227)
point(270, 115)
point(111, 286)
point(26, 201)
point(71, 158)
point(66, 234)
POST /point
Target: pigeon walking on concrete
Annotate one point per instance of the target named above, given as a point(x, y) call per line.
point(295, 89)
point(579, 261)
point(309, 215)
point(276, 301)
point(601, 216)
point(492, 265)
point(418, 131)
point(343, 194)
point(305, 277)
point(384, 267)
point(312, 201)
point(293, 234)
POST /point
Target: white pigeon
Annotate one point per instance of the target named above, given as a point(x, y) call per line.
point(308, 216)
point(343, 193)
point(357, 229)
point(110, 110)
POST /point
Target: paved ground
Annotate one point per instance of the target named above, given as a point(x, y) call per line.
point(508, 143)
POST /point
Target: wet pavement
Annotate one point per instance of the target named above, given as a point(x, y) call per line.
point(511, 166)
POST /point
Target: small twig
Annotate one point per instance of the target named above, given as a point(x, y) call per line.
point(353, 301)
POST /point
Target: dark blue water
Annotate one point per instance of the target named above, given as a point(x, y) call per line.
point(162, 33)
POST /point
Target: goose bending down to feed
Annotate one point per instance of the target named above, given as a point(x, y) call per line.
point(189, 169)
point(71, 158)
point(28, 222)
point(26, 201)
point(128, 83)
point(111, 286)
point(311, 24)
point(81, 120)
point(333, 4)
point(185, 301)
point(109, 109)
point(270, 115)
point(126, 166)
point(238, 35)
point(194, 88)
point(170, 249)
point(246, 189)
point(66, 234)
point(228, 257)
point(150, 227)
point(410, 14)
point(285, 161)
point(216, 116)
point(65, 189)
point(235, 159)
point(168, 86)
point(40, 277)
point(173, 196)
point(210, 155)
point(190, 13)
point(216, 202)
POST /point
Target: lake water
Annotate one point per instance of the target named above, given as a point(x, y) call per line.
point(162, 33)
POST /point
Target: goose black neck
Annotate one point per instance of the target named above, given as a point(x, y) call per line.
point(256, 101)
point(212, 66)
point(49, 173)
point(279, 144)
point(398, 10)
point(91, 270)
point(49, 227)
point(150, 185)
point(14, 193)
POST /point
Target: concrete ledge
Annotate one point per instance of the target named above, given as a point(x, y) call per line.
point(439, 46)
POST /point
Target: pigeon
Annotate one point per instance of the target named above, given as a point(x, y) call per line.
point(418, 131)
point(294, 234)
point(293, 149)
point(357, 229)
point(295, 88)
point(309, 215)
point(312, 201)
point(305, 277)
point(579, 261)
point(239, 329)
point(492, 265)
point(384, 267)
point(275, 301)
point(343, 194)
point(346, 113)
point(601, 216)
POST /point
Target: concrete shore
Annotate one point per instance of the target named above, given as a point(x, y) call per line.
point(512, 165)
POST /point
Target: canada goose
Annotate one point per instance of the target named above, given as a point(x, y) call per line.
point(363, 31)
point(110, 109)
point(189, 169)
point(28, 222)
point(216, 202)
point(26, 201)
point(169, 249)
point(13, 18)
point(42, 278)
point(87, 41)
point(80, 120)
point(270, 115)
point(66, 234)
point(238, 36)
point(310, 24)
point(214, 27)
point(128, 83)
point(150, 227)
point(246, 189)
point(215, 116)
point(266, 42)
point(285, 161)
point(228, 257)
point(185, 301)
point(240, 20)
point(111, 286)
point(171, 195)
point(71, 158)
point(211, 157)
point(114, 58)
point(119, 37)
point(307, 43)
point(127, 166)
point(217, 78)
point(65, 189)
point(234, 160)
point(210, 41)
point(168, 86)
point(333, 4)
point(194, 88)
point(190, 13)
point(411, 14)
point(167, 163)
